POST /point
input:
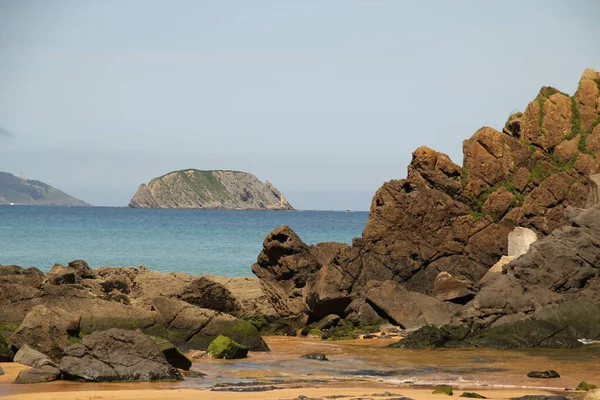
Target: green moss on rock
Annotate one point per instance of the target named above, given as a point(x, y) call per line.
point(6, 355)
point(224, 347)
point(447, 390)
point(585, 386)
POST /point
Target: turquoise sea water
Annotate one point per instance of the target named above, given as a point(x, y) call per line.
point(192, 241)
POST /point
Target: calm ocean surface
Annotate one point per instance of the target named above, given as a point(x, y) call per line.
point(192, 241)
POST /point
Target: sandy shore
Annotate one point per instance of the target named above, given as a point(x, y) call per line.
point(357, 368)
point(159, 391)
point(339, 393)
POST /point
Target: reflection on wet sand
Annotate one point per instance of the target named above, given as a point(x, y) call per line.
point(367, 363)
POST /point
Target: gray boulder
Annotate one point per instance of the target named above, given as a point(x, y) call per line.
point(47, 330)
point(410, 310)
point(30, 356)
point(116, 355)
point(43, 374)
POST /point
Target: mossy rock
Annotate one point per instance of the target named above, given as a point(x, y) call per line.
point(447, 390)
point(6, 354)
point(278, 327)
point(585, 386)
point(428, 336)
point(346, 330)
point(259, 321)
point(245, 333)
point(172, 354)
point(224, 347)
point(472, 395)
point(525, 334)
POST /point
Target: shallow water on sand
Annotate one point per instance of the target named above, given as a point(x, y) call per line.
point(370, 361)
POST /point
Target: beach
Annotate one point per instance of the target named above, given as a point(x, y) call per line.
point(356, 369)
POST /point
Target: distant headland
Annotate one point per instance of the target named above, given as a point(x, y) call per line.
point(18, 190)
point(214, 189)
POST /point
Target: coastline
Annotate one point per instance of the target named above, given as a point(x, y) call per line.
point(495, 374)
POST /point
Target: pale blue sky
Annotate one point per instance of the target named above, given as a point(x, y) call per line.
point(326, 99)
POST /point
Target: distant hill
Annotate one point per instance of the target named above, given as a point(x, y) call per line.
point(25, 191)
point(192, 188)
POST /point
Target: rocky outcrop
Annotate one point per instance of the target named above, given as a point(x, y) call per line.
point(549, 297)
point(303, 282)
point(18, 190)
point(116, 355)
point(47, 312)
point(449, 219)
point(192, 188)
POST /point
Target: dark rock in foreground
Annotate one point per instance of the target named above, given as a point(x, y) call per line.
point(315, 356)
point(6, 354)
point(116, 355)
point(546, 298)
point(43, 374)
point(172, 354)
point(543, 374)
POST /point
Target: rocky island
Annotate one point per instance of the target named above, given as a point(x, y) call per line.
point(216, 189)
point(17, 190)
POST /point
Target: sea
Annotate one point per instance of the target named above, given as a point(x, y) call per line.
point(218, 242)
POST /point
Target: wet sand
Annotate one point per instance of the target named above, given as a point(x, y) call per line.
point(356, 368)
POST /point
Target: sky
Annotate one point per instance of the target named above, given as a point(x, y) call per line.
point(325, 99)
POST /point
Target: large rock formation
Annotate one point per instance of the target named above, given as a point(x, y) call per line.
point(549, 297)
point(446, 218)
point(192, 188)
point(17, 190)
point(47, 312)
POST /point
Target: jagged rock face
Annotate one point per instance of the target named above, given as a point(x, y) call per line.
point(193, 188)
point(446, 218)
point(302, 282)
point(548, 297)
point(453, 219)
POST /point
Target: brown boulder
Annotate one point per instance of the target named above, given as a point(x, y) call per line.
point(492, 157)
point(409, 310)
point(61, 275)
point(47, 330)
point(557, 120)
point(588, 97)
point(14, 274)
point(498, 203)
point(453, 288)
point(83, 269)
point(43, 374)
point(206, 293)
